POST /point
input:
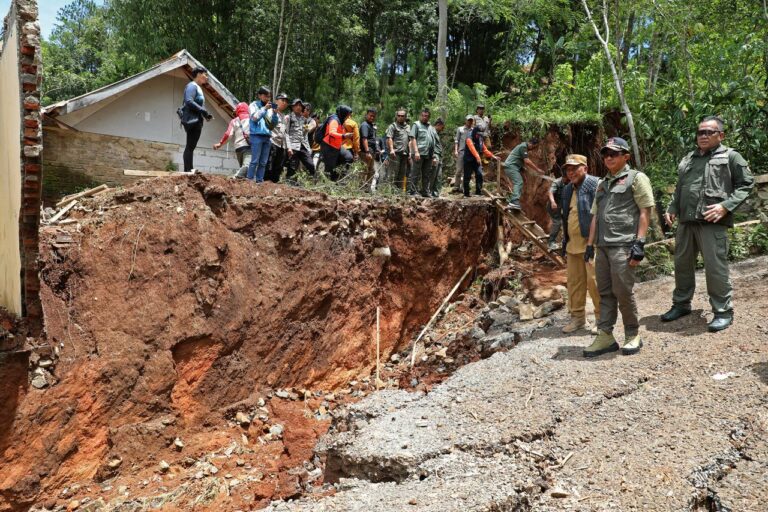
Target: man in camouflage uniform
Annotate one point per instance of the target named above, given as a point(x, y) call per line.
point(713, 180)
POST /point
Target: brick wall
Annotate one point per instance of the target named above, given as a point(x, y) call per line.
point(74, 160)
point(21, 64)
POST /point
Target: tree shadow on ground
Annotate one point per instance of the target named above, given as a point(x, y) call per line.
point(690, 325)
point(761, 370)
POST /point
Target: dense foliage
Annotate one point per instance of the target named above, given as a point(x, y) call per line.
point(535, 61)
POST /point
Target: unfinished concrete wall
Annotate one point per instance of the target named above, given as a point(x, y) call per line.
point(20, 165)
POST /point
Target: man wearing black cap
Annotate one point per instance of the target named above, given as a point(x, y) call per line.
point(620, 216)
point(279, 141)
point(482, 122)
point(299, 152)
point(713, 181)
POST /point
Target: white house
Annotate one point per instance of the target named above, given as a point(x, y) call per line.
point(132, 124)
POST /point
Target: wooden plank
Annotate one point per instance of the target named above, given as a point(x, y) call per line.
point(761, 178)
point(80, 195)
point(62, 212)
point(133, 172)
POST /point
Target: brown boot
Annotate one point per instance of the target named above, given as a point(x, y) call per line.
point(574, 325)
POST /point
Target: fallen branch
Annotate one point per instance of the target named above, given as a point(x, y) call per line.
point(84, 193)
point(530, 395)
point(62, 212)
point(434, 317)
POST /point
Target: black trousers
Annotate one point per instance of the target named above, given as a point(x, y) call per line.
point(275, 164)
point(193, 136)
point(470, 167)
point(333, 157)
point(300, 157)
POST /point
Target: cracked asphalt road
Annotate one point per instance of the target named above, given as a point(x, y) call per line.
point(681, 426)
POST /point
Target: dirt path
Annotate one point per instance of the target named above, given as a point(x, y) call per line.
point(681, 426)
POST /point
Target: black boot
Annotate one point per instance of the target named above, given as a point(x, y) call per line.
point(674, 313)
point(720, 322)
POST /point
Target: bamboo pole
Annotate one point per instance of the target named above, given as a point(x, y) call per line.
point(434, 317)
point(378, 346)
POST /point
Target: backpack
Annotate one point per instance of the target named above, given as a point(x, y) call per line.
point(319, 134)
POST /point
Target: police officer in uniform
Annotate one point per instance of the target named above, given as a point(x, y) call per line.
point(620, 217)
point(713, 181)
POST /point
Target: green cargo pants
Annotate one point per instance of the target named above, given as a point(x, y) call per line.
point(615, 280)
point(397, 170)
point(421, 176)
point(712, 241)
point(516, 175)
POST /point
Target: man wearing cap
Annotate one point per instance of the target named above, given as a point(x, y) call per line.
point(482, 122)
point(262, 117)
point(621, 214)
point(577, 217)
point(514, 165)
point(459, 143)
point(713, 181)
point(299, 152)
point(279, 141)
point(397, 145)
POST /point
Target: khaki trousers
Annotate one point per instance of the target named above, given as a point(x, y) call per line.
point(581, 279)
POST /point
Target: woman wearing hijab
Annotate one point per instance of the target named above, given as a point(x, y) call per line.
point(239, 129)
point(473, 163)
point(331, 150)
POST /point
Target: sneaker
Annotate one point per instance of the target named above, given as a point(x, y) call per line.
point(632, 345)
point(554, 246)
point(574, 325)
point(603, 343)
point(513, 207)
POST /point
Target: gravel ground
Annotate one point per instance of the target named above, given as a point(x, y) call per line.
point(681, 426)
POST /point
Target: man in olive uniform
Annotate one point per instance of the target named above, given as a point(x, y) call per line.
point(397, 145)
point(437, 173)
point(423, 154)
point(459, 144)
point(514, 165)
point(620, 217)
point(713, 181)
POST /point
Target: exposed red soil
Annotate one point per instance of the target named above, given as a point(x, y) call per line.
point(181, 301)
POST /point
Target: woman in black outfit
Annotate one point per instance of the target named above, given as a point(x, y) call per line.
point(194, 113)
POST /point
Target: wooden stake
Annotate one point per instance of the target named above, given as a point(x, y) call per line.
point(434, 317)
point(84, 193)
point(62, 212)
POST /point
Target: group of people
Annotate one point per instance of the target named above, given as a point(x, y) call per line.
point(275, 136)
point(605, 222)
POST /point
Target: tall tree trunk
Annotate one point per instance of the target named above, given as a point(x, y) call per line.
point(536, 52)
point(285, 51)
point(626, 43)
point(686, 59)
point(279, 46)
point(442, 65)
point(616, 78)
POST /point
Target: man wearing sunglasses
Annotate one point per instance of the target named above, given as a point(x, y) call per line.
point(713, 181)
point(621, 213)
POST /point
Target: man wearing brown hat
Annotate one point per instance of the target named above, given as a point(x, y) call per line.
point(620, 216)
point(577, 199)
